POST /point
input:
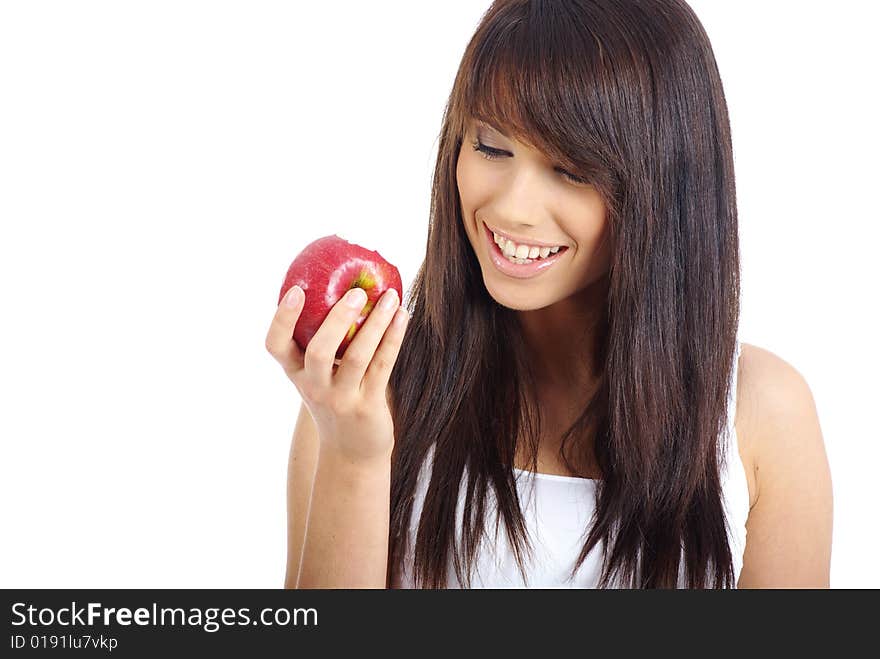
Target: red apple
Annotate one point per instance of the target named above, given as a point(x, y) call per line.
point(326, 269)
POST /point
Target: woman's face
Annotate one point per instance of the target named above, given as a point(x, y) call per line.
point(528, 199)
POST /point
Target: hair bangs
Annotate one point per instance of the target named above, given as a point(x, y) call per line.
point(543, 96)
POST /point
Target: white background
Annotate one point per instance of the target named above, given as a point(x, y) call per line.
point(161, 163)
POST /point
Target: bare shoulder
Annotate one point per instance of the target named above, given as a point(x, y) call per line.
point(790, 521)
point(771, 394)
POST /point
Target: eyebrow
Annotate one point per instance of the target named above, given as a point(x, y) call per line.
point(492, 126)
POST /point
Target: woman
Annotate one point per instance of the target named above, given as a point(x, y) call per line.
point(572, 365)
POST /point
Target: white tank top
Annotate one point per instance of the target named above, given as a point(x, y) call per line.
point(557, 512)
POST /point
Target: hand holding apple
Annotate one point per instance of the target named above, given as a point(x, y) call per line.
point(325, 270)
point(349, 401)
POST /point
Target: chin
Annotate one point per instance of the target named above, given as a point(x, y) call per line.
point(514, 307)
point(514, 302)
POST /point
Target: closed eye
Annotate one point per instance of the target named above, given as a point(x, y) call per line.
point(494, 154)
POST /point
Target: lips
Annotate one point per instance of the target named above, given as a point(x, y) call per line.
point(513, 270)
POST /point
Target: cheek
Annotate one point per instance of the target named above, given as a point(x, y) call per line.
point(467, 180)
point(594, 232)
point(596, 237)
point(459, 182)
point(593, 236)
point(464, 176)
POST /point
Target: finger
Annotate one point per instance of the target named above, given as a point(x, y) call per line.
point(378, 374)
point(321, 351)
point(360, 351)
point(279, 339)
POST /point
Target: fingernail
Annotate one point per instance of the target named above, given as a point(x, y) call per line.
point(388, 299)
point(294, 295)
point(356, 298)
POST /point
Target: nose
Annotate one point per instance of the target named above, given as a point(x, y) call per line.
point(523, 201)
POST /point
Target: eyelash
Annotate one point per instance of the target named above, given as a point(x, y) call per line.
point(494, 154)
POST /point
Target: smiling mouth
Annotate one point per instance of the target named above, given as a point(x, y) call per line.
point(547, 251)
point(522, 268)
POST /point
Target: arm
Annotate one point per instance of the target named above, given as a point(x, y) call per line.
point(339, 468)
point(346, 540)
point(789, 527)
point(301, 464)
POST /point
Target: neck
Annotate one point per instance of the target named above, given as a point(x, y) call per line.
point(562, 339)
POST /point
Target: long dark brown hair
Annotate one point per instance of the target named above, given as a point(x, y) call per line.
point(626, 94)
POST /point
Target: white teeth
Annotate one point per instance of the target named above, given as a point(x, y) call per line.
point(522, 252)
